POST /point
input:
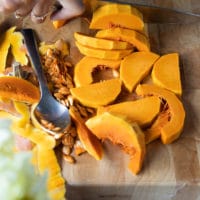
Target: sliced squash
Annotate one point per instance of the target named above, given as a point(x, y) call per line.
point(97, 94)
point(135, 67)
point(89, 141)
point(138, 40)
point(99, 43)
point(4, 47)
point(143, 111)
point(116, 129)
point(84, 68)
point(172, 128)
point(58, 23)
point(166, 73)
point(119, 15)
point(17, 51)
point(102, 53)
point(18, 89)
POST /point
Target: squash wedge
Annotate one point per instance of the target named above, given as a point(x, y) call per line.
point(138, 40)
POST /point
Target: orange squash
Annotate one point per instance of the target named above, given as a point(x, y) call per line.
point(135, 67)
point(89, 141)
point(143, 111)
point(99, 43)
point(58, 23)
point(172, 128)
point(166, 73)
point(83, 69)
point(138, 40)
point(97, 94)
point(103, 53)
point(18, 89)
point(121, 15)
point(117, 130)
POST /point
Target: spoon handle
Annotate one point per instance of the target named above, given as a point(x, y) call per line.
point(31, 45)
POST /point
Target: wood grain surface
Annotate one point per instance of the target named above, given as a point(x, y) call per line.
point(170, 172)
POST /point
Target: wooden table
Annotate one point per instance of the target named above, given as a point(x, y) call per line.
point(170, 172)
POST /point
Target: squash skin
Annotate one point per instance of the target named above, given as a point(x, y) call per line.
point(118, 131)
point(117, 15)
point(83, 69)
point(90, 142)
point(135, 67)
point(102, 53)
point(100, 43)
point(138, 40)
point(97, 94)
point(142, 111)
point(172, 129)
point(166, 73)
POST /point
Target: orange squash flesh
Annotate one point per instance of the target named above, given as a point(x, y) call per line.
point(83, 69)
point(97, 94)
point(135, 67)
point(138, 40)
point(90, 142)
point(142, 111)
point(118, 131)
point(102, 53)
point(99, 43)
point(117, 15)
point(18, 89)
point(166, 73)
point(172, 129)
point(59, 23)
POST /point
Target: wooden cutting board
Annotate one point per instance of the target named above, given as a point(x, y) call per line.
point(170, 172)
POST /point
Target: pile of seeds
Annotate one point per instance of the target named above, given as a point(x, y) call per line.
point(59, 73)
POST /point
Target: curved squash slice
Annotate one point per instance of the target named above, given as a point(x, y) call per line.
point(99, 43)
point(143, 111)
point(97, 94)
point(102, 53)
point(135, 67)
point(18, 89)
point(90, 142)
point(111, 15)
point(171, 129)
point(84, 68)
point(166, 73)
point(108, 126)
point(138, 40)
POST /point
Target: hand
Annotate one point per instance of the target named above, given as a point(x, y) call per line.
point(40, 8)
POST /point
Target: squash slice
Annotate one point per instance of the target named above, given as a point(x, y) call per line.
point(97, 94)
point(99, 43)
point(111, 15)
point(117, 130)
point(166, 73)
point(84, 68)
point(143, 111)
point(172, 128)
point(138, 40)
point(102, 53)
point(89, 141)
point(18, 89)
point(135, 67)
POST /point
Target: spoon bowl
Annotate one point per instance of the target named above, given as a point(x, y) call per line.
point(48, 108)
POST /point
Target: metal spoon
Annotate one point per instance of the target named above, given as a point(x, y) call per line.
point(48, 107)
